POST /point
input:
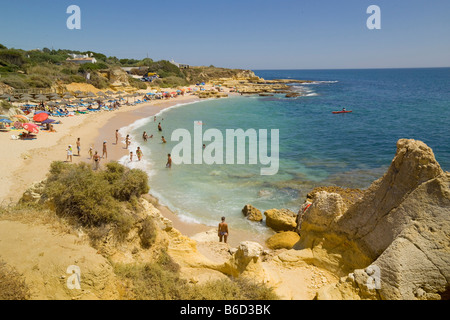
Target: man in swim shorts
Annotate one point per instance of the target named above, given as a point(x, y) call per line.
point(223, 231)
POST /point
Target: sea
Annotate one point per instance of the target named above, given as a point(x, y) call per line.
point(316, 147)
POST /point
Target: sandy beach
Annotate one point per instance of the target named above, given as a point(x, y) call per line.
point(29, 161)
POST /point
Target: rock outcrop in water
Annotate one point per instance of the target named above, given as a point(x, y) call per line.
point(252, 213)
point(393, 243)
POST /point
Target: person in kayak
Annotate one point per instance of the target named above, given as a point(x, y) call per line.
point(343, 109)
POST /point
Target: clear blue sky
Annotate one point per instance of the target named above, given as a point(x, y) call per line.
point(253, 34)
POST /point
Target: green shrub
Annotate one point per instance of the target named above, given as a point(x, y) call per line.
point(98, 81)
point(137, 83)
point(148, 233)
point(39, 81)
point(92, 67)
point(170, 82)
point(76, 78)
point(132, 183)
point(13, 56)
point(17, 82)
point(93, 199)
point(81, 194)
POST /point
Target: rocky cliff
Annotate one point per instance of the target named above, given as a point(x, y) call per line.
point(394, 242)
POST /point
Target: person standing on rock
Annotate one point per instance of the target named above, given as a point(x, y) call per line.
point(223, 231)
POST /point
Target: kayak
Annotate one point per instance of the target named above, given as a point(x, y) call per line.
point(337, 112)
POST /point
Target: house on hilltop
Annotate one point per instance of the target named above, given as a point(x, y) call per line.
point(81, 59)
point(180, 65)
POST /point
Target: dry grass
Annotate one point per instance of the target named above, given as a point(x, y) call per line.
point(33, 213)
point(12, 285)
point(161, 281)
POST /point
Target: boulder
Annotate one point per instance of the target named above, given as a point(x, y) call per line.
point(34, 192)
point(324, 212)
point(281, 220)
point(283, 240)
point(246, 261)
point(252, 213)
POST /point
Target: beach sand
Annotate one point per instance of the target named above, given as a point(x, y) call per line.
point(29, 161)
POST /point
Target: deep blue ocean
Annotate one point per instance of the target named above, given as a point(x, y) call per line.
point(317, 148)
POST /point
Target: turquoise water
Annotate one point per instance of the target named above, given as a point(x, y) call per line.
point(316, 147)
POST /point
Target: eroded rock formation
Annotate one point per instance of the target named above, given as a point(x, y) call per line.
point(394, 240)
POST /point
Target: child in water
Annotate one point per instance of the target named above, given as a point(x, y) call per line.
point(139, 153)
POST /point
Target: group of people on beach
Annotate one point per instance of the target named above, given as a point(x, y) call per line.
point(223, 231)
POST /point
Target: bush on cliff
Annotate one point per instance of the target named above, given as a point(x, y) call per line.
point(95, 199)
point(161, 281)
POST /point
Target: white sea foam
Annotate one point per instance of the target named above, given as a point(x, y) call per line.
point(320, 82)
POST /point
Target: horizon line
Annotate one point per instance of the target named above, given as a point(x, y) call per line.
point(369, 68)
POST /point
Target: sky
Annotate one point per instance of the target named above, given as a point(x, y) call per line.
point(248, 34)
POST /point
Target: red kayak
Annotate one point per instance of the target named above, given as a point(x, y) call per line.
point(337, 112)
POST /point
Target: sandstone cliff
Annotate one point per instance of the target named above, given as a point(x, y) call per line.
point(393, 243)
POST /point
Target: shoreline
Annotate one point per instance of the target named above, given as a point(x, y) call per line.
point(115, 154)
point(31, 161)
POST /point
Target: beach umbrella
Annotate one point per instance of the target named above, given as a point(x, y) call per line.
point(31, 127)
point(48, 121)
point(41, 98)
point(40, 117)
point(5, 96)
point(17, 125)
point(4, 120)
point(12, 99)
point(38, 112)
point(109, 92)
point(4, 116)
point(78, 92)
point(68, 96)
point(21, 117)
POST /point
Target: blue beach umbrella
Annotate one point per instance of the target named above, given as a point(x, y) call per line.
point(5, 121)
point(48, 121)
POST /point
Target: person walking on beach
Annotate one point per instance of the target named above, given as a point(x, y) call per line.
point(131, 156)
point(145, 136)
point(78, 146)
point(97, 160)
point(169, 162)
point(127, 141)
point(139, 153)
point(117, 137)
point(90, 153)
point(159, 127)
point(223, 231)
point(69, 153)
point(105, 151)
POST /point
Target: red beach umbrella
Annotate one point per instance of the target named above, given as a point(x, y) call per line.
point(30, 127)
point(40, 117)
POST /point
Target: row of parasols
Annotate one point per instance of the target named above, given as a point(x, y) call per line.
point(23, 122)
point(65, 97)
